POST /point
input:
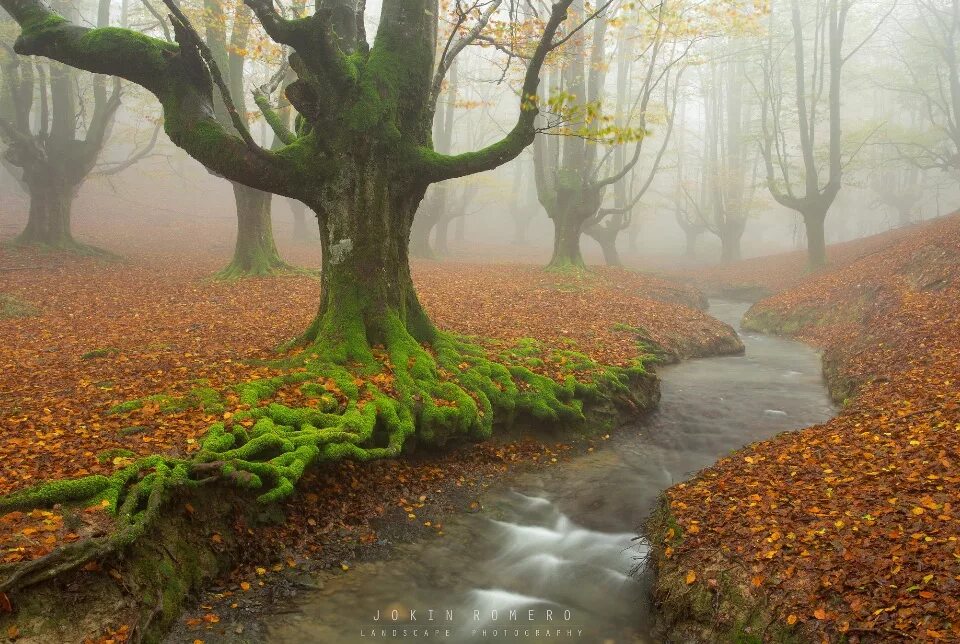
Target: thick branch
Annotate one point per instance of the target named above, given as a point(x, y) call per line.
point(438, 167)
point(176, 75)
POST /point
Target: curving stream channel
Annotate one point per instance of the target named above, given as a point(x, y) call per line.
point(549, 556)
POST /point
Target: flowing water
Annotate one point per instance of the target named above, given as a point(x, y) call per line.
point(549, 556)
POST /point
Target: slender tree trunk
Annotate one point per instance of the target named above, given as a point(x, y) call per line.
point(816, 239)
point(255, 253)
point(48, 223)
point(302, 230)
point(608, 244)
point(567, 228)
point(460, 230)
point(431, 211)
point(442, 236)
point(420, 238)
point(905, 215)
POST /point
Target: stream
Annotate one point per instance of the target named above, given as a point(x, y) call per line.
point(550, 554)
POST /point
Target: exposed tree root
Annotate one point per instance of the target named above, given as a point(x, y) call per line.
point(357, 404)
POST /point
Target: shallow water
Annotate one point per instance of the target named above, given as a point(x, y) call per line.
point(549, 556)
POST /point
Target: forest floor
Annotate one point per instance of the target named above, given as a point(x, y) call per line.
point(82, 335)
point(849, 530)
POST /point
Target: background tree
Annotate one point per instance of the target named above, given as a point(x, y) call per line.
point(568, 176)
point(53, 142)
point(928, 54)
point(255, 251)
point(730, 167)
point(793, 121)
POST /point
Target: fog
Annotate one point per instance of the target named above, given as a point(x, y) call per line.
point(725, 74)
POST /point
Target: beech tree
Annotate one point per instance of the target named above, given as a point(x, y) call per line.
point(606, 225)
point(361, 157)
point(929, 55)
point(229, 38)
point(730, 167)
point(789, 121)
point(53, 143)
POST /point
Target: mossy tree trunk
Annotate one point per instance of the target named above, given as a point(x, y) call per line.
point(255, 252)
point(567, 229)
point(367, 294)
point(48, 223)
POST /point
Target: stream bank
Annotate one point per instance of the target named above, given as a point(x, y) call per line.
point(560, 539)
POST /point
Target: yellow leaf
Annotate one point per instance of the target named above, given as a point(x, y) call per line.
point(691, 577)
point(245, 585)
point(791, 619)
point(820, 613)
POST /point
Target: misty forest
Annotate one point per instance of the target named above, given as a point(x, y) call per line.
point(479, 320)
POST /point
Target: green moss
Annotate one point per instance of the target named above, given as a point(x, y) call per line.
point(397, 394)
point(202, 397)
point(100, 353)
point(108, 455)
point(11, 307)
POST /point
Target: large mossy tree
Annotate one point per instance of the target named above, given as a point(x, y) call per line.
point(361, 157)
point(378, 375)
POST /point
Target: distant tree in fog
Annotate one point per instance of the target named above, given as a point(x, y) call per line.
point(54, 133)
point(802, 68)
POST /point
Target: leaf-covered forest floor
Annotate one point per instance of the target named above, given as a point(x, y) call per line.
point(850, 529)
point(89, 335)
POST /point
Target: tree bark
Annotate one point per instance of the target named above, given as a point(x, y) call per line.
point(816, 239)
point(730, 233)
point(255, 253)
point(441, 239)
point(567, 228)
point(367, 295)
point(48, 223)
point(608, 244)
